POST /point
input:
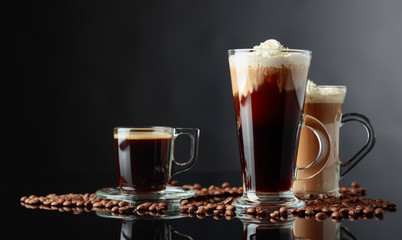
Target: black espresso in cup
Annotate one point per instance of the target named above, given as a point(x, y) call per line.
point(144, 157)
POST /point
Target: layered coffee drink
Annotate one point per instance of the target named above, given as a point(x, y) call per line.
point(268, 86)
point(143, 160)
point(324, 103)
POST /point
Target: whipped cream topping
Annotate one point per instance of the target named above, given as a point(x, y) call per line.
point(249, 68)
point(270, 54)
point(270, 44)
point(324, 93)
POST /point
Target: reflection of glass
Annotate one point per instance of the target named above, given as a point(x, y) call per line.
point(326, 230)
point(149, 229)
point(254, 230)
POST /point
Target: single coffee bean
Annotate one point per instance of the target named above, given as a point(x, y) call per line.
point(274, 214)
point(321, 215)
point(355, 184)
point(153, 207)
point(97, 205)
point(122, 204)
point(228, 200)
point(251, 210)
point(378, 212)
point(225, 184)
point(309, 212)
point(336, 215)
point(229, 213)
point(142, 207)
point(283, 211)
point(230, 208)
point(294, 211)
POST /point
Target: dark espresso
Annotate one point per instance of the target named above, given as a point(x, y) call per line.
point(143, 161)
point(268, 119)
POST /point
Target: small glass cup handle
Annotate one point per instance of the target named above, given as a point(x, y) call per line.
point(324, 141)
point(348, 165)
point(194, 134)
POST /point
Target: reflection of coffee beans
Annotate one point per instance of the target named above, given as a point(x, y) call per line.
point(143, 161)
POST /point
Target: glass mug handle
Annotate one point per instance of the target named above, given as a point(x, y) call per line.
point(348, 165)
point(194, 134)
point(324, 142)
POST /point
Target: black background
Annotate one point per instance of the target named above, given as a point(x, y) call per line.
point(80, 68)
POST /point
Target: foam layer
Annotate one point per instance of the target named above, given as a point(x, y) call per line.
point(269, 54)
point(142, 135)
point(324, 94)
point(249, 69)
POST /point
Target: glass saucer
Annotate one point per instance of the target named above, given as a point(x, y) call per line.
point(171, 194)
point(169, 214)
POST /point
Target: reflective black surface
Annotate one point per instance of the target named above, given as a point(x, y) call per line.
point(26, 223)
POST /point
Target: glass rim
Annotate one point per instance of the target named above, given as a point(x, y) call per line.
point(285, 50)
point(142, 128)
point(331, 86)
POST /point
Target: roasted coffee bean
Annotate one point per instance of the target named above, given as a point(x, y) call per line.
point(142, 207)
point(321, 215)
point(355, 184)
point(378, 212)
point(228, 200)
point(153, 207)
point(67, 203)
point(229, 213)
point(309, 212)
point(230, 208)
point(225, 184)
point(274, 214)
point(283, 211)
point(336, 215)
point(294, 211)
point(97, 205)
point(368, 211)
point(251, 210)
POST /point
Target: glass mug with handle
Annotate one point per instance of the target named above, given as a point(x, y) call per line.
point(268, 92)
point(145, 163)
point(325, 103)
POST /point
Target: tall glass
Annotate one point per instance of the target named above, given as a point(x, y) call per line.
point(268, 91)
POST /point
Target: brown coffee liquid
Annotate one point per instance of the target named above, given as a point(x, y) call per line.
point(329, 113)
point(143, 162)
point(268, 122)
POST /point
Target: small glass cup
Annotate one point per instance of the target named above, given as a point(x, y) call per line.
point(325, 103)
point(145, 163)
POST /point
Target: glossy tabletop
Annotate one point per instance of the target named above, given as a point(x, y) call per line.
point(65, 223)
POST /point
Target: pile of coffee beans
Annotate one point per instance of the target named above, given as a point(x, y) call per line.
point(78, 203)
point(216, 201)
point(201, 209)
point(224, 190)
point(350, 204)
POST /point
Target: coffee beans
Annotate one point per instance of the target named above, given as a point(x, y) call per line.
point(79, 203)
point(217, 202)
point(350, 204)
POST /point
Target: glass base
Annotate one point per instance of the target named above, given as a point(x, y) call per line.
point(268, 201)
point(171, 194)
